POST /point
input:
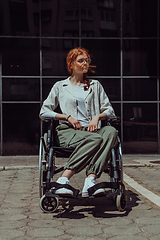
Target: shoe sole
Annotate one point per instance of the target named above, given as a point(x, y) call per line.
point(85, 194)
point(64, 195)
point(99, 192)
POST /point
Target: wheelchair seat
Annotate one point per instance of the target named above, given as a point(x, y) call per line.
point(50, 149)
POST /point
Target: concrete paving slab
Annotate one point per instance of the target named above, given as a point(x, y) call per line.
point(124, 237)
point(90, 219)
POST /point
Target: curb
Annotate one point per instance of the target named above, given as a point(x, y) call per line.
point(21, 167)
point(16, 167)
point(135, 165)
point(3, 168)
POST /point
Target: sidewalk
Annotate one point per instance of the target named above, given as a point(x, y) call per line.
point(129, 160)
point(77, 219)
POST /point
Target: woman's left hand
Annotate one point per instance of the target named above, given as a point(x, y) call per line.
point(92, 126)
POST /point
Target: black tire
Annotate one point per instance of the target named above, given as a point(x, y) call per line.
point(51, 165)
point(49, 204)
point(42, 165)
point(121, 202)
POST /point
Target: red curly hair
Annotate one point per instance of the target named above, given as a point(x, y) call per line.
point(71, 57)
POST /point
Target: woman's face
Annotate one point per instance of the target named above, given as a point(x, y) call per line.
point(81, 64)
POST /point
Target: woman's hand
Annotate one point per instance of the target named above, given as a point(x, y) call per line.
point(93, 125)
point(75, 123)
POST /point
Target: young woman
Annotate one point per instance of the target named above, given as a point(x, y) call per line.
point(83, 104)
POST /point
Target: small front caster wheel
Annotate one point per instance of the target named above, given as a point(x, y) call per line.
point(49, 204)
point(121, 202)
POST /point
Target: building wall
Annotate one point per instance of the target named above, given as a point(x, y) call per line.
point(123, 39)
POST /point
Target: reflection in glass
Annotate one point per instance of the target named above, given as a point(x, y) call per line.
point(21, 127)
point(117, 124)
point(140, 89)
point(140, 57)
point(54, 54)
point(140, 128)
point(20, 57)
point(140, 18)
point(19, 18)
point(59, 16)
point(92, 24)
point(47, 84)
point(20, 89)
point(105, 55)
point(101, 20)
point(111, 87)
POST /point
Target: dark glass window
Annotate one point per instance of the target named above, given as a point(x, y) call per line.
point(21, 128)
point(140, 18)
point(140, 89)
point(86, 14)
point(140, 57)
point(69, 14)
point(46, 16)
point(105, 55)
point(20, 89)
point(59, 16)
point(117, 124)
point(123, 52)
point(47, 85)
point(103, 19)
point(140, 128)
point(20, 57)
point(128, 17)
point(72, 40)
point(54, 56)
point(17, 18)
point(111, 87)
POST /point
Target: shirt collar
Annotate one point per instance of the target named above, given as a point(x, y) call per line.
point(67, 82)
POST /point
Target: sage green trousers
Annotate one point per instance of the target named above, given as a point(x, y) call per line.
point(92, 150)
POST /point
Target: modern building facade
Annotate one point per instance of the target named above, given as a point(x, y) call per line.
point(123, 39)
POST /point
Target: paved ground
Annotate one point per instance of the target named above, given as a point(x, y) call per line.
point(21, 217)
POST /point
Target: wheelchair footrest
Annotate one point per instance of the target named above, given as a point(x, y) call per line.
point(57, 186)
point(113, 185)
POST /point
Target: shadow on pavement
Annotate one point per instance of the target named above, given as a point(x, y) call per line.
point(101, 207)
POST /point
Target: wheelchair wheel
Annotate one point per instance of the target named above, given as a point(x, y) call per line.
point(42, 165)
point(49, 204)
point(121, 202)
point(119, 160)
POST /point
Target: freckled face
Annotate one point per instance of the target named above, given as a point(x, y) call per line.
point(81, 64)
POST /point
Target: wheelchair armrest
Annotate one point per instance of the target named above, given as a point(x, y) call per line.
point(51, 121)
point(112, 121)
point(48, 119)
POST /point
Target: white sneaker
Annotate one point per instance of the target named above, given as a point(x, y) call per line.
point(63, 191)
point(90, 182)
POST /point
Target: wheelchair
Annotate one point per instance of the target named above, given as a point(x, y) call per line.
point(49, 151)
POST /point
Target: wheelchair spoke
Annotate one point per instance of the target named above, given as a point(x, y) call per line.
point(49, 204)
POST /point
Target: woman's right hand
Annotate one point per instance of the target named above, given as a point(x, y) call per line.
point(75, 123)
